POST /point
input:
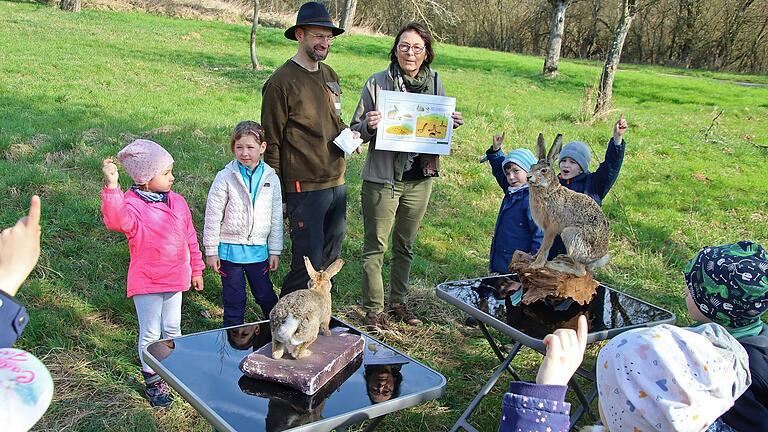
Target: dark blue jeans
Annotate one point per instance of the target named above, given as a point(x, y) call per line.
point(317, 222)
point(233, 295)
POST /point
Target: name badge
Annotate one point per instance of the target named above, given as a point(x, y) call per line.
point(337, 105)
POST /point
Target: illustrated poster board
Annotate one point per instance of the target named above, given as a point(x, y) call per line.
point(416, 123)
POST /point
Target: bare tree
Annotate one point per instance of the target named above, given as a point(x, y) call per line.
point(254, 58)
point(348, 16)
point(556, 29)
point(714, 34)
point(628, 9)
point(733, 23)
point(70, 5)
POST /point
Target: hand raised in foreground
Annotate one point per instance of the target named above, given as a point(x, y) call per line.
point(565, 352)
point(20, 249)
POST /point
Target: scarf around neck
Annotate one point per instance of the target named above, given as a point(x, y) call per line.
point(150, 197)
point(421, 83)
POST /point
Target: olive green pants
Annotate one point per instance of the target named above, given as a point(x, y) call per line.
point(398, 210)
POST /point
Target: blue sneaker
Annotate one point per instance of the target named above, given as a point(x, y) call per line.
point(157, 391)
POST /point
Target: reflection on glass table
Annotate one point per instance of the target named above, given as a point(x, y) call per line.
point(488, 300)
point(609, 313)
point(204, 369)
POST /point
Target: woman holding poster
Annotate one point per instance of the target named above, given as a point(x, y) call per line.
point(396, 185)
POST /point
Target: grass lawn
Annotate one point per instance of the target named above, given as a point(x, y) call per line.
point(75, 88)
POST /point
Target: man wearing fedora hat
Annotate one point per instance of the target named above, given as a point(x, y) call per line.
point(301, 114)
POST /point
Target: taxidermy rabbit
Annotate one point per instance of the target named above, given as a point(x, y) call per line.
point(576, 217)
point(297, 318)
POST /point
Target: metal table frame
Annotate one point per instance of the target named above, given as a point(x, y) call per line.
point(521, 339)
point(375, 413)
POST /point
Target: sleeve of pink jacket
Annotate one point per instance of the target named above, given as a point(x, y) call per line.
point(195, 256)
point(117, 216)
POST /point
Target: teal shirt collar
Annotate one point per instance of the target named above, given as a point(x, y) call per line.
point(251, 178)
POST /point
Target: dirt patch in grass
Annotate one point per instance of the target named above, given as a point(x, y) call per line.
point(20, 149)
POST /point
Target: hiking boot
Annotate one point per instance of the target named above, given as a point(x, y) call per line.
point(157, 391)
point(377, 319)
point(400, 312)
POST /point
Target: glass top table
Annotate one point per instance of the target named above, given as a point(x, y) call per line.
point(609, 313)
point(204, 369)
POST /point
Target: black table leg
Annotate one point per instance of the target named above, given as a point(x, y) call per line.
point(463, 422)
point(585, 401)
point(373, 424)
point(495, 347)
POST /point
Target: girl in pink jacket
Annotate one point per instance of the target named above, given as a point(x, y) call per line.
point(165, 255)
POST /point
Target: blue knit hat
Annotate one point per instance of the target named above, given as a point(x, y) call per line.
point(521, 157)
point(578, 151)
point(729, 283)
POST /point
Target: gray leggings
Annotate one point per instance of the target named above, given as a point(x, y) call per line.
point(159, 314)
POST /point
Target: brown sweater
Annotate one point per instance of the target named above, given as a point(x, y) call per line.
point(301, 115)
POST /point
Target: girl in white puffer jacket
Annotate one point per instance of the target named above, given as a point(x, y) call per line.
point(243, 233)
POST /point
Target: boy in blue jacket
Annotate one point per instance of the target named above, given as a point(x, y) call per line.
point(515, 228)
point(575, 175)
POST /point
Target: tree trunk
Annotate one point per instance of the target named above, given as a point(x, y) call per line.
point(70, 5)
point(733, 25)
point(692, 8)
point(254, 58)
point(556, 29)
point(605, 90)
point(349, 14)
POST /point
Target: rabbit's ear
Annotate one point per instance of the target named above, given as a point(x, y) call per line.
point(541, 148)
point(334, 268)
point(310, 270)
point(554, 151)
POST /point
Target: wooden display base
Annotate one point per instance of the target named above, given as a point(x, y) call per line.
point(330, 354)
point(548, 282)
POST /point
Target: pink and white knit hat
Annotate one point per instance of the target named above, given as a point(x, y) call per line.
point(144, 159)
point(670, 379)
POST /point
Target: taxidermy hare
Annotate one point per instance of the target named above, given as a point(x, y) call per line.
point(576, 217)
point(297, 318)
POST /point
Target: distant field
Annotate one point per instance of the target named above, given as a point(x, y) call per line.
point(75, 88)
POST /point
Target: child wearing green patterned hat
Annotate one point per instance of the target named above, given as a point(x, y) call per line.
point(728, 285)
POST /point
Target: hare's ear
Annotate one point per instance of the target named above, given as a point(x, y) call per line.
point(554, 151)
point(541, 148)
point(310, 270)
point(334, 268)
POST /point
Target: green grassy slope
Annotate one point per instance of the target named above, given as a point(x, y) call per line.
point(75, 88)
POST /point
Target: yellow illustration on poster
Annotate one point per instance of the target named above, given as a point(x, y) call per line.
point(415, 123)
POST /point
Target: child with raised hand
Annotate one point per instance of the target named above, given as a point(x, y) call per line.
point(27, 386)
point(165, 255)
point(662, 378)
point(515, 228)
point(243, 232)
point(575, 175)
point(728, 285)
